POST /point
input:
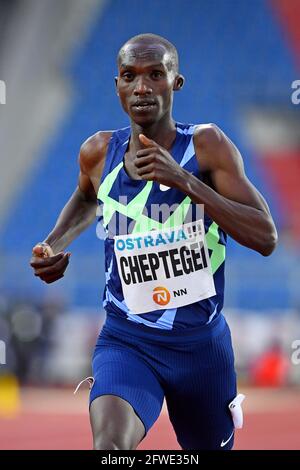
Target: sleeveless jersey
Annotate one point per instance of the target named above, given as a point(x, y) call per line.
point(126, 207)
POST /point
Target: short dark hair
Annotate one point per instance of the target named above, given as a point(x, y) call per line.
point(150, 38)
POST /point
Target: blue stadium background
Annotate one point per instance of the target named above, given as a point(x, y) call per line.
point(224, 76)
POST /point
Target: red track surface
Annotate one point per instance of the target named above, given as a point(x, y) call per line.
point(52, 419)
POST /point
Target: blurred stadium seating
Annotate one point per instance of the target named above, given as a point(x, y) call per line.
point(239, 60)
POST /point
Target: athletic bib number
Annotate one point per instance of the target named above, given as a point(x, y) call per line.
point(166, 268)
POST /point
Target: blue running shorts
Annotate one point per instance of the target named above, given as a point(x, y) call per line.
point(192, 369)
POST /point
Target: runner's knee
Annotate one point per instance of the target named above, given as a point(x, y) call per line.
point(102, 441)
point(115, 425)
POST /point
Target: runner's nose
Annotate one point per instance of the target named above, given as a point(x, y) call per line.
point(142, 87)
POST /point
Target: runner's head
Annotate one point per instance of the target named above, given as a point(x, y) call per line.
point(147, 77)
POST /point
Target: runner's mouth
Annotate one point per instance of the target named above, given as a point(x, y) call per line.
point(144, 106)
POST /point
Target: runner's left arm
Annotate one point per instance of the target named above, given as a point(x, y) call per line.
point(232, 202)
point(230, 199)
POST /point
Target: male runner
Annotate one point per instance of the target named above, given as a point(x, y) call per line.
point(165, 335)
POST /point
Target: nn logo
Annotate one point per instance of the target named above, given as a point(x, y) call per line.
point(2, 353)
point(2, 92)
point(161, 295)
point(180, 292)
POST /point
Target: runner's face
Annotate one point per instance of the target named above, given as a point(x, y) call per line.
point(145, 82)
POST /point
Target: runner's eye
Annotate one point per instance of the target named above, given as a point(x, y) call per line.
point(157, 74)
point(128, 76)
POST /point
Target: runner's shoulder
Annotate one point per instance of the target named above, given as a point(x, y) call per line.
point(93, 150)
point(207, 135)
point(210, 143)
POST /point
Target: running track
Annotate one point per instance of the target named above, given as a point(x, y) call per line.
point(56, 419)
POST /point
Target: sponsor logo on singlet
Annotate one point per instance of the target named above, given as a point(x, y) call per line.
point(164, 267)
point(161, 295)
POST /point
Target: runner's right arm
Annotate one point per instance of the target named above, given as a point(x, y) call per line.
point(48, 259)
point(76, 216)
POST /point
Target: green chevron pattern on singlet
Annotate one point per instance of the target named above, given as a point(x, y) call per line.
point(134, 210)
point(218, 250)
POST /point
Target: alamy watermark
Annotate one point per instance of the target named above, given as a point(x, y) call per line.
point(2, 92)
point(2, 352)
point(295, 358)
point(134, 218)
point(295, 96)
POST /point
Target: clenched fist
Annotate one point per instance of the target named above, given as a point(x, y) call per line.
point(155, 163)
point(46, 265)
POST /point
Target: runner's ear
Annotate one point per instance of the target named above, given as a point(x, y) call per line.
point(116, 83)
point(178, 82)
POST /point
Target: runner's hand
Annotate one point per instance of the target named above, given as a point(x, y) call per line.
point(46, 265)
point(155, 163)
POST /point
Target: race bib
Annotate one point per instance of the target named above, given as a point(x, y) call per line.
point(166, 268)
